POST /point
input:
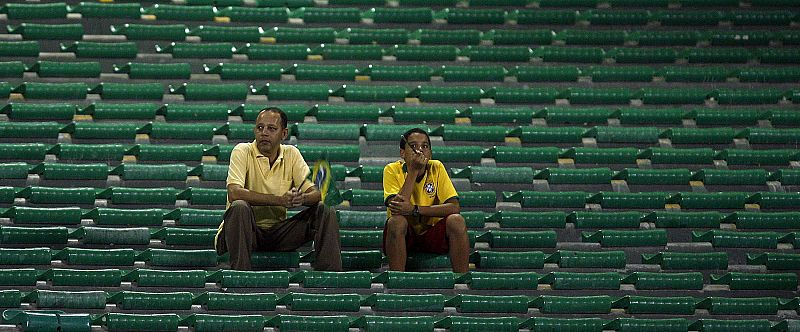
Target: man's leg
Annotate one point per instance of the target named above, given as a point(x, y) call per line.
point(395, 242)
point(459, 243)
point(239, 234)
point(316, 223)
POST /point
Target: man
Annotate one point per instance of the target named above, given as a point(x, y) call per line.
point(265, 178)
point(423, 210)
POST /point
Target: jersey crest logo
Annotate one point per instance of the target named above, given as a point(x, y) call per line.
point(429, 188)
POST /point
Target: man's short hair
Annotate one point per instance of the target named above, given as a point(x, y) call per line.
point(404, 139)
point(273, 109)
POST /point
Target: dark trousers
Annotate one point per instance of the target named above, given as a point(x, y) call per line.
point(240, 235)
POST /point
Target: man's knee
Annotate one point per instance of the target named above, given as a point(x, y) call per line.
point(238, 212)
point(240, 204)
point(397, 226)
point(456, 225)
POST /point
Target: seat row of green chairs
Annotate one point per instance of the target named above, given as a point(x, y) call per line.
point(399, 93)
point(167, 196)
point(296, 51)
point(188, 218)
point(378, 72)
point(351, 302)
point(339, 323)
point(356, 35)
point(382, 15)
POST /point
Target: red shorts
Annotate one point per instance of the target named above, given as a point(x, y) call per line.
point(433, 241)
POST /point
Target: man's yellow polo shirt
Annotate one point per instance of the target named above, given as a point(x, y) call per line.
point(435, 188)
point(251, 170)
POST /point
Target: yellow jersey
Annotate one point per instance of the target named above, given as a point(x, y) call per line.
point(434, 188)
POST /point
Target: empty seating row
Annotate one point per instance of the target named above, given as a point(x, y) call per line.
point(56, 319)
point(399, 93)
point(381, 15)
point(348, 219)
point(294, 51)
point(447, 73)
point(178, 112)
point(256, 34)
point(475, 174)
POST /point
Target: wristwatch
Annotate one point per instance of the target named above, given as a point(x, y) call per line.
point(415, 212)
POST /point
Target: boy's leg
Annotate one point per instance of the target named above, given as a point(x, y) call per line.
point(394, 242)
point(239, 235)
point(456, 228)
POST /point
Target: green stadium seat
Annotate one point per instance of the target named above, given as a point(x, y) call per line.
point(595, 37)
point(582, 281)
point(493, 303)
point(47, 195)
point(584, 259)
point(748, 281)
point(546, 73)
point(422, 114)
point(642, 135)
point(179, 131)
point(372, 93)
point(204, 196)
point(312, 131)
point(107, 10)
point(536, 16)
point(35, 31)
point(620, 238)
point(519, 37)
point(132, 31)
point(667, 219)
point(15, 170)
point(640, 116)
point(731, 177)
point(688, 261)
point(364, 113)
point(470, 133)
point(380, 323)
point(418, 280)
point(48, 111)
point(740, 38)
point(622, 74)
point(275, 52)
point(117, 50)
point(301, 35)
point(328, 15)
point(599, 95)
point(775, 260)
point(361, 219)
point(19, 48)
point(789, 177)
point(447, 37)
point(155, 70)
point(714, 200)
point(747, 96)
point(478, 174)
point(142, 322)
point(765, 18)
point(577, 115)
point(703, 156)
point(96, 152)
point(66, 69)
point(241, 301)
point(294, 112)
point(323, 302)
point(776, 200)
point(473, 73)
point(705, 116)
point(717, 55)
point(617, 17)
point(575, 175)
point(70, 299)
point(311, 323)
point(665, 38)
point(57, 171)
point(398, 73)
point(506, 154)
point(522, 239)
point(424, 52)
point(497, 281)
point(777, 55)
point(638, 324)
point(359, 36)
point(210, 172)
point(363, 197)
point(41, 130)
point(22, 215)
point(333, 153)
point(122, 195)
point(197, 50)
point(180, 13)
point(35, 90)
point(770, 135)
point(97, 257)
point(535, 199)
point(497, 53)
point(626, 219)
point(480, 114)
point(255, 15)
point(251, 279)
point(281, 91)
point(349, 52)
point(406, 303)
point(761, 220)
point(468, 154)
point(734, 239)
point(658, 304)
point(695, 74)
point(210, 33)
point(167, 172)
point(512, 260)
point(205, 322)
point(109, 90)
point(33, 235)
point(36, 11)
point(569, 54)
point(12, 69)
point(151, 152)
point(381, 15)
point(116, 236)
point(182, 258)
point(683, 18)
point(601, 156)
point(531, 134)
point(450, 94)
point(473, 16)
point(673, 95)
point(549, 304)
point(643, 55)
point(638, 200)
point(637, 176)
point(22, 256)
point(195, 112)
point(513, 95)
point(478, 198)
point(769, 75)
point(208, 91)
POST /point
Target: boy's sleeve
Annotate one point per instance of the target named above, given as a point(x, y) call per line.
point(237, 169)
point(446, 189)
point(391, 186)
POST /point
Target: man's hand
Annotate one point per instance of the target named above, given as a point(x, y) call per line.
point(401, 206)
point(293, 198)
point(418, 161)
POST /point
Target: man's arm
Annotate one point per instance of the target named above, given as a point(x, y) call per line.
point(312, 196)
point(237, 192)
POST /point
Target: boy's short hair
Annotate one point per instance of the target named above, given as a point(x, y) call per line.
point(404, 138)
